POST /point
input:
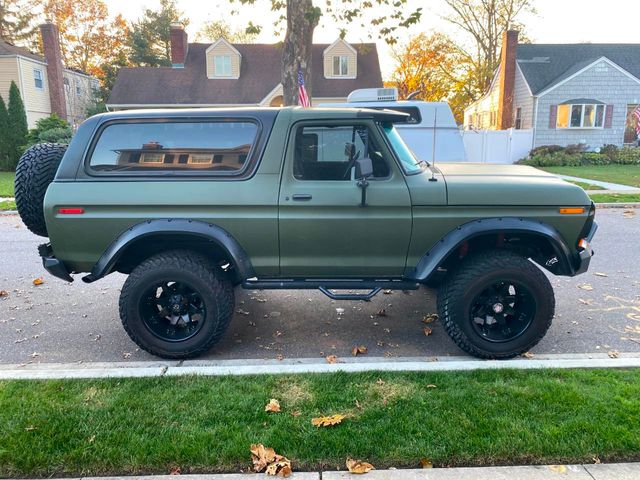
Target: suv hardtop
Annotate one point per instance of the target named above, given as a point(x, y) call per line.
point(193, 203)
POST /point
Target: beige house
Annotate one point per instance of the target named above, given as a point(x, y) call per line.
point(221, 74)
point(45, 85)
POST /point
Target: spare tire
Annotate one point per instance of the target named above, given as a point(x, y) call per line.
point(35, 171)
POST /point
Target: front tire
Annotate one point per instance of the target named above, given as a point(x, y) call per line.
point(496, 305)
point(176, 304)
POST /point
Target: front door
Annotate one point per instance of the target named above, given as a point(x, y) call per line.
point(324, 231)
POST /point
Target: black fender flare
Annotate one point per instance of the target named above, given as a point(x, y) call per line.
point(173, 226)
point(467, 231)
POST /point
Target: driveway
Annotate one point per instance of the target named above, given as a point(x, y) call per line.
point(59, 322)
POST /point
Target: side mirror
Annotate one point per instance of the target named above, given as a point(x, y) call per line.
point(364, 168)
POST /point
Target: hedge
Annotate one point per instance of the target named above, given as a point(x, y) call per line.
point(575, 156)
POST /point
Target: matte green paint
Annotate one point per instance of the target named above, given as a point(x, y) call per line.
point(329, 235)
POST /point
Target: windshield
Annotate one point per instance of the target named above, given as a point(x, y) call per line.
point(408, 160)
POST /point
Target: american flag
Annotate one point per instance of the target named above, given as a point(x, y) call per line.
point(636, 114)
point(303, 98)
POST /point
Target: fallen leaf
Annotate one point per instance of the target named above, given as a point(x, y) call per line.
point(358, 466)
point(430, 318)
point(585, 286)
point(31, 428)
point(332, 359)
point(596, 460)
point(175, 471)
point(242, 312)
point(267, 459)
point(387, 292)
point(296, 413)
point(126, 354)
point(358, 350)
point(381, 313)
point(4, 293)
point(34, 355)
point(328, 421)
point(273, 406)
point(613, 354)
point(600, 274)
point(629, 214)
point(431, 385)
point(558, 468)
point(38, 281)
point(426, 463)
point(427, 331)
point(380, 382)
point(280, 468)
point(528, 355)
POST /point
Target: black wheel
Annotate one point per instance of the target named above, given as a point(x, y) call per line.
point(496, 305)
point(35, 171)
point(176, 304)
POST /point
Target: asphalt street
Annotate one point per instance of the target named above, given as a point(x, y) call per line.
point(75, 322)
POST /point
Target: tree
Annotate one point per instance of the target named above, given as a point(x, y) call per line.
point(4, 134)
point(18, 23)
point(214, 30)
point(150, 36)
point(89, 38)
point(18, 122)
point(486, 21)
point(302, 17)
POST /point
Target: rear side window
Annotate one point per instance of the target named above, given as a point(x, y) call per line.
point(216, 147)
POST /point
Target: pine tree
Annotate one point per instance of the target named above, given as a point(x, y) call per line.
point(18, 128)
point(4, 134)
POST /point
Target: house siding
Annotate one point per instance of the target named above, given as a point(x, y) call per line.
point(36, 101)
point(602, 82)
point(479, 114)
point(339, 49)
point(523, 99)
point(8, 73)
point(223, 49)
point(77, 104)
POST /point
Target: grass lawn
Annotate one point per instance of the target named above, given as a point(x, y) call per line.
point(8, 205)
point(126, 426)
point(586, 186)
point(615, 198)
point(6, 184)
point(622, 174)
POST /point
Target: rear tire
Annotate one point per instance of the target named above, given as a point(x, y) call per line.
point(35, 171)
point(496, 305)
point(176, 304)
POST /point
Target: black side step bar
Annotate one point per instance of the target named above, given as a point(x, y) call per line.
point(327, 285)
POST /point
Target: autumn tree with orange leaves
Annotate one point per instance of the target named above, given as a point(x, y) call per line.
point(89, 39)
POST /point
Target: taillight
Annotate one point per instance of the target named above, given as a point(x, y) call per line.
point(71, 211)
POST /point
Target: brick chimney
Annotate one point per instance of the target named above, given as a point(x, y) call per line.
point(51, 47)
point(179, 45)
point(507, 79)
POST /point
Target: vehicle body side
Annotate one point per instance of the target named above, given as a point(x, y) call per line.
point(330, 235)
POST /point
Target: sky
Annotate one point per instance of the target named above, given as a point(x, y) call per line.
point(556, 21)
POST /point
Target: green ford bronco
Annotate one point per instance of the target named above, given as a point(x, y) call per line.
point(193, 203)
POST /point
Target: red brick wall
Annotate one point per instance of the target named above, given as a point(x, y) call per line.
point(51, 47)
point(507, 79)
point(179, 44)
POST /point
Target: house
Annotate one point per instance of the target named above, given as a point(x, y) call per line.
point(46, 86)
point(566, 93)
point(224, 74)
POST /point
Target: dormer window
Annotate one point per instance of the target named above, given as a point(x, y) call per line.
point(340, 65)
point(222, 65)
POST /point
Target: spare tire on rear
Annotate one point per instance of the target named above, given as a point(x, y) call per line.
point(35, 171)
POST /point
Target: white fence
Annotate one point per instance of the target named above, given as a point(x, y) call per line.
point(497, 146)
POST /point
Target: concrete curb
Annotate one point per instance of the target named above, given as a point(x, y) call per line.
point(308, 365)
point(611, 471)
point(617, 205)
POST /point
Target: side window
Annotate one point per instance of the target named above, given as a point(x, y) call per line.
point(330, 152)
point(216, 147)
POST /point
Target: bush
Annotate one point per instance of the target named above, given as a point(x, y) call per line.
point(628, 156)
point(610, 151)
point(51, 129)
point(56, 135)
point(575, 156)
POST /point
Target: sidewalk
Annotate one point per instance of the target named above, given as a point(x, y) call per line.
point(611, 187)
point(613, 471)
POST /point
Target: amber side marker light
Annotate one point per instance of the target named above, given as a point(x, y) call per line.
point(572, 210)
point(70, 211)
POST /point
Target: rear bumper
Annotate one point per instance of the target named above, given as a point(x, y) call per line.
point(51, 264)
point(586, 252)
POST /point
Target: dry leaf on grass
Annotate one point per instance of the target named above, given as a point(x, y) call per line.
point(585, 286)
point(38, 281)
point(296, 413)
point(380, 382)
point(431, 385)
point(273, 406)
point(328, 421)
point(600, 274)
point(175, 471)
point(358, 466)
point(332, 359)
point(358, 350)
point(614, 354)
point(430, 318)
point(267, 459)
point(427, 331)
point(426, 463)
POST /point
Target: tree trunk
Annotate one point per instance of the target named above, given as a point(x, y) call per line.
point(302, 19)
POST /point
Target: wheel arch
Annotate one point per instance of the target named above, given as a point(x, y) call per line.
point(148, 238)
point(531, 238)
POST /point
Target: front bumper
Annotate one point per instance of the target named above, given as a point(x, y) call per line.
point(51, 264)
point(586, 252)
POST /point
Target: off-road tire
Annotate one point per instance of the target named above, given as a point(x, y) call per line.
point(456, 294)
point(35, 171)
point(208, 279)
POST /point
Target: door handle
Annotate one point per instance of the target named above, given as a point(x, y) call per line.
point(301, 196)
